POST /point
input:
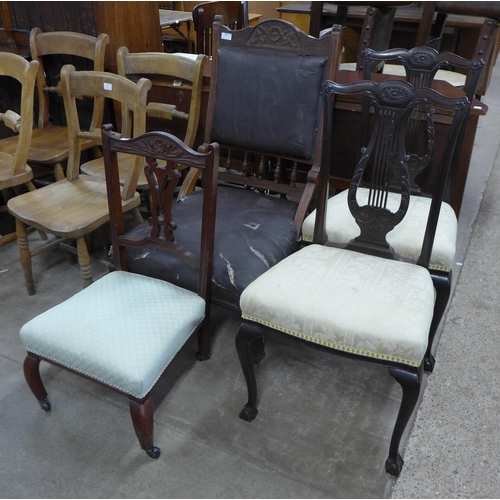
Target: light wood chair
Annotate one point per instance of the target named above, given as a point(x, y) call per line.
point(14, 170)
point(49, 143)
point(187, 72)
point(75, 206)
point(125, 329)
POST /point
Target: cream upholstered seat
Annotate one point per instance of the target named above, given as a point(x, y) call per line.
point(406, 238)
point(361, 299)
point(348, 301)
point(124, 329)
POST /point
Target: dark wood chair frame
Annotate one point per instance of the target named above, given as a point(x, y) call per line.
point(375, 221)
point(163, 181)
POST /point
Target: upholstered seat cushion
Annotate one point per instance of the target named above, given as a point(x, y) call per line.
point(122, 330)
point(347, 301)
point(253, 232)
point(406, 238)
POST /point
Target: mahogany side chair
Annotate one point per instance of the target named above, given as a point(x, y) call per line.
point(14, 170)
point(421, 66)
point(138, 323)
point(361, 300)
point(233, 16)
point(72, 208)
point(49, 143)
point(264, 110)
point(188, 75)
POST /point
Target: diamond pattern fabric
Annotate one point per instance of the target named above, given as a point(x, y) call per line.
point(406, 238)
point(347, 301)
point(122, 330)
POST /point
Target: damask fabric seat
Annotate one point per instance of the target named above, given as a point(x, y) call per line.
point(406, 238)
point(130, 357)
point(348, 301)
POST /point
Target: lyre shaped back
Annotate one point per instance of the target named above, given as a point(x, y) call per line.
point(421, 65)
point(163, 179)
point(392, 104)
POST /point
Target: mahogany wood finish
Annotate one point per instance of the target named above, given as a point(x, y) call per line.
point(203, 18)
point(392, 103)
point(152, 148)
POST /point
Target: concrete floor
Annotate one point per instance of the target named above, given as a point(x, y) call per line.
point(324, 424)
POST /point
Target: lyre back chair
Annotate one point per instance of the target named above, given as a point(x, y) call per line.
point(359, 300)
point(432, 27)
point(72, 208)
point(186, 72)
point(264, 111)
point(233, 16)
point(125, 329)
point(49, 143)
point(14, 170)
point(421, 65)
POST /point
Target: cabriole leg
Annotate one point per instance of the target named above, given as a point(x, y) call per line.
point(442, 284)
point(410, 383)
point(250, 348)
point(142, 418)
point(32, 376)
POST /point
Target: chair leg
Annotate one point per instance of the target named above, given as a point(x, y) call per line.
point(84, 261)
point(410, 383)
point(25, 256)
point(59, 172)
point(204, 347)
point(442, 284)
point(142, 418)
point(250, 348)
point(32, 376)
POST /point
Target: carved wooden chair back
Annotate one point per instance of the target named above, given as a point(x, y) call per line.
point(264, 108)
point(14, 170)
point(421, 65)
point(360, 300)
point(137, 324)
point(431, 31)
point(49, 144)
point(175, 71)
point(83, 196)
point(233, 16)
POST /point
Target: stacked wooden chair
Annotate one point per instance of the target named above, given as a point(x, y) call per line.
point(14, 170)
point(361, 299)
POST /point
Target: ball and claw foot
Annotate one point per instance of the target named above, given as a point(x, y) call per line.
point(248, 413)
point(154, 452)
point(429, 364)
point(44, 404)
point(394, 467)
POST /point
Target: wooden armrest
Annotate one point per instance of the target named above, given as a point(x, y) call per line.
point(165, 111)
point(11, 120)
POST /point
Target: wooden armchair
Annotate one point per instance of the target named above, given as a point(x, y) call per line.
point(184, 71)
point(360, 300)
point(421, 65)
point(72, 208)
point(233, 16)
point(125, 329)
point(264, 111)
point(14, 170)
point(49, 142)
